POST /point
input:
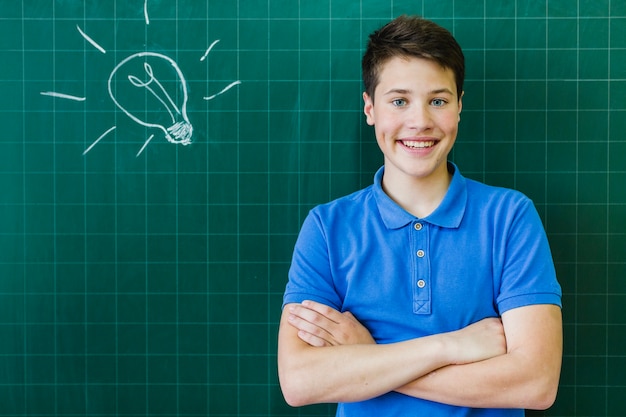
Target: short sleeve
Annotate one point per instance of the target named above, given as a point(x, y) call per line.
point(310, 276)
point(528, 274)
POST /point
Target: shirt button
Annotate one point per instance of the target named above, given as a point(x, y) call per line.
point(418, 226)
point(420, 253)
point(421, 283)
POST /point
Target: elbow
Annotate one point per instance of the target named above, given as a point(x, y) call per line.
point(293, 386)
point(544, 395)
point(294, 399)
point(542, 402)
point(293, 394)
point(547, 398)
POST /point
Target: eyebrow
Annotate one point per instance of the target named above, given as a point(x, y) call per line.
point(442, 91)
point(406, 91)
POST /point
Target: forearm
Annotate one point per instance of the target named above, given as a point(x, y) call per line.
point(502, 382)
point(316, 364)
point(526, 376)
point(353, 372)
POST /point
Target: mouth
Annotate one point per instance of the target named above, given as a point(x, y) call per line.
point(419, 144)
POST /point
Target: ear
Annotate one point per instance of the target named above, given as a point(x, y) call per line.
point(461, 104)
point(368, 109)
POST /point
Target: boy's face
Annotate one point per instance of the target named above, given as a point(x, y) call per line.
point(415, 116)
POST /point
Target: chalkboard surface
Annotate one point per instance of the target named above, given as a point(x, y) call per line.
point(157, 159)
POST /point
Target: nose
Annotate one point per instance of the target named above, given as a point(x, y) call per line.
point(419, 117)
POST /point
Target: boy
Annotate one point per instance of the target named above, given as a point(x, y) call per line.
point(426, 293)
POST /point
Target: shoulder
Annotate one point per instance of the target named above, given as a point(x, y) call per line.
point(476, 199)
point(337, 220)
point(346, 206)
point(502, 209)
point(485, 196)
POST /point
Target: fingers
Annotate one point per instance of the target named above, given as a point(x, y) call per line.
point(325, 311)
point(321, 325)
point(481, 340)
point(313, 340)
point(315, 313)
point(313, 327)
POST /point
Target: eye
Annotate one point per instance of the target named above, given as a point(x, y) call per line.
point(398, 102)
point(438, 102)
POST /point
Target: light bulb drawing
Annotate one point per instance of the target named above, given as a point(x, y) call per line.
point(137, 72)
point(151, 90)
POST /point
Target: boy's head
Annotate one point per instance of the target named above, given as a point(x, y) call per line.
point(411, 37)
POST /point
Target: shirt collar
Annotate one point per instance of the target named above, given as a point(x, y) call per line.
point(449, 213)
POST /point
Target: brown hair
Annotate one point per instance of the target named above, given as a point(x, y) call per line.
point(411, 36)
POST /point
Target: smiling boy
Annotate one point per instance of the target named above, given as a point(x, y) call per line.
point(426, 293)
point(415, 117)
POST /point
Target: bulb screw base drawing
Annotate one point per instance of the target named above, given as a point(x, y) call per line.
point(180, 133)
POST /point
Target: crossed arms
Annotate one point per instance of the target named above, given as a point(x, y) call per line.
point(515, 362)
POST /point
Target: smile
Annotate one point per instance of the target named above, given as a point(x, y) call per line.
point(422, 144)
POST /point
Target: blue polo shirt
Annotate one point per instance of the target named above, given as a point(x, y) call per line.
point(482, 252)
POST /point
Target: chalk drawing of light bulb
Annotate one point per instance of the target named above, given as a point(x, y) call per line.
point(150, 101)
point(151, 90)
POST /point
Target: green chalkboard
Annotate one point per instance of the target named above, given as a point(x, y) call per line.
point(157, 159)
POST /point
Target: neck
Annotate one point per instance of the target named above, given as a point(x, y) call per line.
point(418, 196)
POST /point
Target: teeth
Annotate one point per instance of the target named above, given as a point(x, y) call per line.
point(418, 144)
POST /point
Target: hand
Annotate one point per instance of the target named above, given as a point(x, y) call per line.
point(320, 325)
point(479, 341)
